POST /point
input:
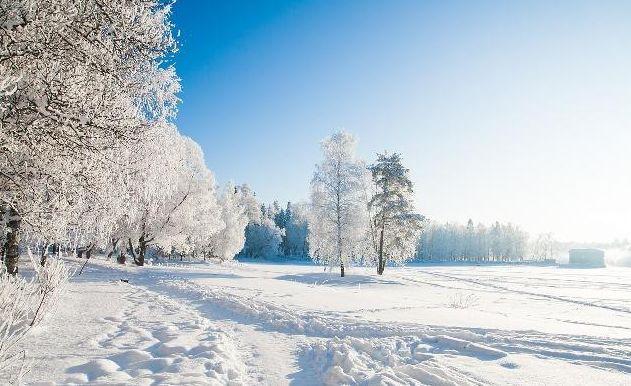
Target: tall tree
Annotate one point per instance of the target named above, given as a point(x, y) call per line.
point(182, 214)
point(296, 230)
point(338, 221)
point(395, 226)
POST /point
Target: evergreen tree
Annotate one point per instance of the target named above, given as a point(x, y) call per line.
point(395, 225)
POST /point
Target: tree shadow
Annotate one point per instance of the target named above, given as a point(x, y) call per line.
point(333, 280)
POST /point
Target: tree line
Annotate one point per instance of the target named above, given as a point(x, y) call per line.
point(364, 214)
point(89, 155)
point(498, 243)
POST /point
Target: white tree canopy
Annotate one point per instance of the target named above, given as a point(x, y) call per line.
point(228, 241)
point(80, 83)
point(338, 220)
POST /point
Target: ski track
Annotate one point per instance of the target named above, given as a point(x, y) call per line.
point(521, 292)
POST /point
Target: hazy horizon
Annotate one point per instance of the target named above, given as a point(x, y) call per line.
point(502, 111)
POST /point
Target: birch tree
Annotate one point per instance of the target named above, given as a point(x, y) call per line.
point(338, 218)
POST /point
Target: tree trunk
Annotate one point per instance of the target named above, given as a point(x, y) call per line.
point(142, 248)
point(342, 269)
point(88, 254)
point(381, 264)
point(131, 250)
point(114, 245)
point(11, 246)
point(44, 255)
point(121, 257)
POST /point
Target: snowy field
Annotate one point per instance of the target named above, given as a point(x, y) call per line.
point(276, 324)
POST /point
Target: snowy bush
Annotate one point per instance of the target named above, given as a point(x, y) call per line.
point(23, 304)
point(16, 302)
point(462, 301)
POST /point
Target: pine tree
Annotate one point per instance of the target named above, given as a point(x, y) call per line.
point(395, 227)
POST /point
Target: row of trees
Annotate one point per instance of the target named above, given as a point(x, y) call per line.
point(289, 231)
point(271, 230)
point(89, 156)
point(293, 220)
point(499, 242)
point(359, 213)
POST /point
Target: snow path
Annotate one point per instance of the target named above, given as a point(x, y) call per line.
point(272, 358)
point(140, 338)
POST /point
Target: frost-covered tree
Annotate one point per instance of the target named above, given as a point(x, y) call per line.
point(229, 240)
point(262, 239)
point(262, 236)
point(296, 230)
point(78, 80)
point(282, 216)
point(543, 247)
point(273, 212)
point(198, 215)
point(338, 219)
point(395, 225)
point(250, 203)
point(174, 203)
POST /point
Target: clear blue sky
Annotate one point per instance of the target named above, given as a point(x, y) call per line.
point(516, 111)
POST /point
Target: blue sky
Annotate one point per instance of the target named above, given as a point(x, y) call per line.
point(515, 111)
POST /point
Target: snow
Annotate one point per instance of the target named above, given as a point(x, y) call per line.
point(276, 324)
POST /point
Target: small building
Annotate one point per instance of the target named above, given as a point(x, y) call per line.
point(587, 257)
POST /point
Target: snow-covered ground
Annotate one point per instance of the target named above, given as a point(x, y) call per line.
point(296, 324)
